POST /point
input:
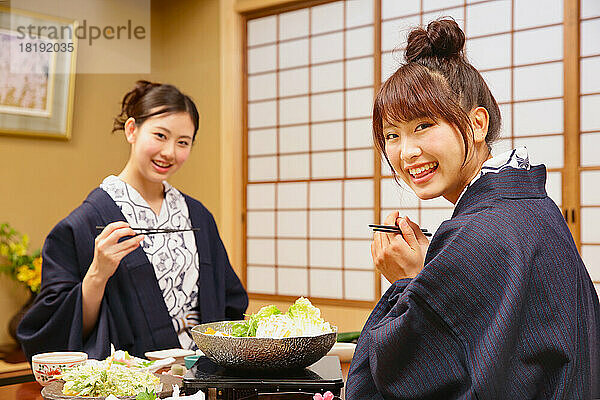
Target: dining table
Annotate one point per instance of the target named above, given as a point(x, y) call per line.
point(21, 391)
point(32, 390)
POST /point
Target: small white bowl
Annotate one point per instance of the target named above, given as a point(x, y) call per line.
point(344, 351)
point(47, 366)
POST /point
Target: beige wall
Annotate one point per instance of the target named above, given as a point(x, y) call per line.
point(195, 45)
point(186, 53)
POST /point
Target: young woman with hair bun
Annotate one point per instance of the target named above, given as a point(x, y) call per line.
point(498, 305)
point(103, 286)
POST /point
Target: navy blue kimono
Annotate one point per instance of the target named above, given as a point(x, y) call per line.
point(503, 309)
point(133, 315)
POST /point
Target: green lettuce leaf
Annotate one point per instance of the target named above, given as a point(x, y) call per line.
point(248, 327)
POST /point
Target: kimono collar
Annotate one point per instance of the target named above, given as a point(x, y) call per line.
point(110, 212)
point(507, 183)
point(516, 158)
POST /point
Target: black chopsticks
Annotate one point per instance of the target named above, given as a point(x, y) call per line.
point(152, 231)
point(394, 229)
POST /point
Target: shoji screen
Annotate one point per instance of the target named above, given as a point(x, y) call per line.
point(590, 136)
point(310, 159)
point(312, 183)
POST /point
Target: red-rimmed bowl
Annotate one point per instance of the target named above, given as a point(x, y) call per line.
point(48, 366)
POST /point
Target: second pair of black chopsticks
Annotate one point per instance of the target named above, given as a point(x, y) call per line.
point(394, 229)
point(152, 231)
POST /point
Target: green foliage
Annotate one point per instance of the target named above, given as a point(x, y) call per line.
point(146, 395)
point(146, 363)
point(348, 336)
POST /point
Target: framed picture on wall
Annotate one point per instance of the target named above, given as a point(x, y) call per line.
point(37, 74)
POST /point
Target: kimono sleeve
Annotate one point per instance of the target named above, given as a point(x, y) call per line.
point(54, 322)
point(236, 298)
point(406, 352)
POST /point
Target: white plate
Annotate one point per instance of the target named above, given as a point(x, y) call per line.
point(177, 354)
point(344, 351)
point(161, 363)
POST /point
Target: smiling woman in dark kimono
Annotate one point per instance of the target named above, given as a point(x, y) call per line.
point(499, 305)
point(138, 293)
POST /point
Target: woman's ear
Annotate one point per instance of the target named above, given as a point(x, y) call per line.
point(129, 128)
point(480, 120)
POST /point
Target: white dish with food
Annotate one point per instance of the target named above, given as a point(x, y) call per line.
point(177, 354)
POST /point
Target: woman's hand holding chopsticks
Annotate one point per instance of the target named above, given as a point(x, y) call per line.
point(112, 244)
point(402, 254)
point(109, 250)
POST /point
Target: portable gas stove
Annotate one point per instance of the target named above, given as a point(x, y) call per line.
point(219, 383)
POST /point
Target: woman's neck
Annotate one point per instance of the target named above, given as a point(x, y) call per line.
point(480, 157)
point(150, 191)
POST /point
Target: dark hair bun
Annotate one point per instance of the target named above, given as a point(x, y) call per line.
point(443, 38)
point(138, 92)
point(148, 99)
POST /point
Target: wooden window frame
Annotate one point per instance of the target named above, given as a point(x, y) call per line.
point(570, 172)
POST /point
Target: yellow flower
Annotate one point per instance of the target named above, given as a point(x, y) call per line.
point(35, 282)
point(25, 273)
point(31, 276)
point(15, 260)
point(17, 248)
